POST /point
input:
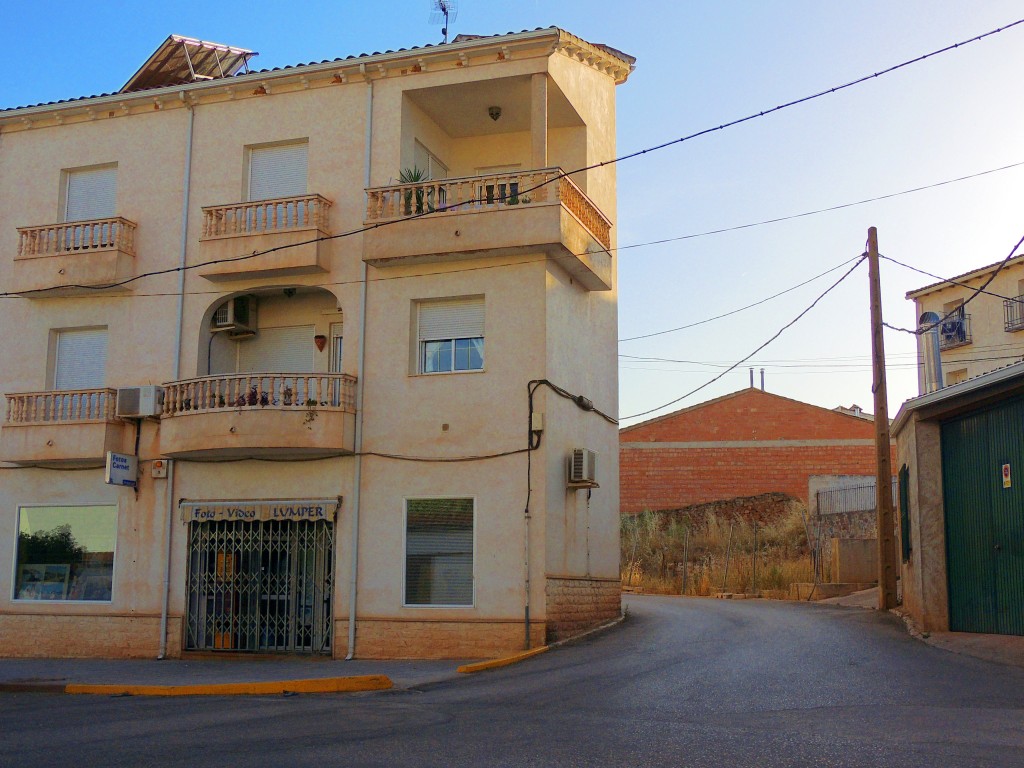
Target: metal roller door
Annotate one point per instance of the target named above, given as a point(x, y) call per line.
point(983, 494)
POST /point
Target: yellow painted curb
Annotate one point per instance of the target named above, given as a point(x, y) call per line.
point(316, 685)
point(504, 661)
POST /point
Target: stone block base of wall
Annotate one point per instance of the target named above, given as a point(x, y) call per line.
point(110, 637)
point(411, 639)
point(576, 604)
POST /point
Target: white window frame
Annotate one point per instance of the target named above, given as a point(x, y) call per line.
point(436, 169)
point(65, 192)
point(113, 566)
point(256, 148)
point(405, 552)
point(55, 355)
point(422, 343)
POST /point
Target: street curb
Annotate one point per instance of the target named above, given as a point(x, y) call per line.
point(515, 658)
point(504, 661)
point(315, 685)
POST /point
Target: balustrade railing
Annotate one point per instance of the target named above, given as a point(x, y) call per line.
point(74, 236)
point(262, 216)
point(280, 391)
point(61, 407)
point(490, 192)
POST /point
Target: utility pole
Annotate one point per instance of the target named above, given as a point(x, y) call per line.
point(883, 474)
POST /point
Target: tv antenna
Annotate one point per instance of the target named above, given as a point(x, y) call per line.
point(443, 12)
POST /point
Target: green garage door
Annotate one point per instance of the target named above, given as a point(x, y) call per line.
point(983, 493)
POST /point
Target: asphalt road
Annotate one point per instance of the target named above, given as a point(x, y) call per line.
point(683, 682)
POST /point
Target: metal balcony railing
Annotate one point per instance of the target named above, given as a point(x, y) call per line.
point(954, 332)
point(1013, 314)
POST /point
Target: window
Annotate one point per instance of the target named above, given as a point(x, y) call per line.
point(65, 553)
point(90, 193)
point(80, 359)
point(904, 488)
point(439, 552)
point(955, 377)
point(278, 171)
point(451, 335)
point(337, 345)
point(427, 161)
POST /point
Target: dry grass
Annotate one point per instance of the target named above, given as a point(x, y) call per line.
point(663, 552)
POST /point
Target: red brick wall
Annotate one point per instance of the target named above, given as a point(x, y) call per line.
point(667, 477)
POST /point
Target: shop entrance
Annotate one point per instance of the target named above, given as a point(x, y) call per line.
point(261, 586)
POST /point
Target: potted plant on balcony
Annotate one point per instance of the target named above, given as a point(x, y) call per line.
point(414, 175)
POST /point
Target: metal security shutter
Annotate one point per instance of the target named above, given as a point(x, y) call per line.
point(279, 171)
point(451, 319)
point(439, 552)
point(91, 194)
point(81, 359)
point(278, 350)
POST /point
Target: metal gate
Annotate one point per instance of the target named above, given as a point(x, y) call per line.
point(260, 586)
point(985, 519)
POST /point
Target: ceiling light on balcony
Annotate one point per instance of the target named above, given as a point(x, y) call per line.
point(494, 112)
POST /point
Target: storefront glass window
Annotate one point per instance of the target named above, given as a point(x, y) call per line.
point(65, 553)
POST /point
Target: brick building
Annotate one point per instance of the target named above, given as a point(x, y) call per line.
point(743, 444)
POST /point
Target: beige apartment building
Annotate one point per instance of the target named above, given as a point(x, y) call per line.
point(346, 327)
point(982, 336)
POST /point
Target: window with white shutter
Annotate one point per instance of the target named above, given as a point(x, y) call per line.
point(80, 359)
point(439, 552)
point(451, 335)
point(278, 171)
point(90, 193)
point(278, 350)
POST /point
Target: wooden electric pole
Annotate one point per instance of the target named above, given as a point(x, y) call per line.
point(883, 475)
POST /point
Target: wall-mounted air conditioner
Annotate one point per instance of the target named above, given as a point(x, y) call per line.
point(581, 468)
point(139, 402)
point(237, 316)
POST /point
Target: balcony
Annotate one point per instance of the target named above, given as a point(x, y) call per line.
point(508, 213)
point(1013, 314)
point(955, 331)
point(291, 224)
point(74, 258)
point(73, 427)
point(280, 415)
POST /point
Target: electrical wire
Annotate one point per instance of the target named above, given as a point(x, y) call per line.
point(741, 309)
point(557, 177)
point(740, 362)
point(976, 292)
point(817, 211)
point(944, 279)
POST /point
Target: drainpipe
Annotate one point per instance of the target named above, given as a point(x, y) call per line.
point(930, 351)
point(360, 383)
point(177, 372)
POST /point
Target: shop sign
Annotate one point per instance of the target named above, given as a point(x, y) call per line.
point(259, 510)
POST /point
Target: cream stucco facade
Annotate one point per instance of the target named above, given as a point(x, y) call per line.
point(988, 333)
point(323, 475)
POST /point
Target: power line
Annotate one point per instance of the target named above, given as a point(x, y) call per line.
point(943, 279)
point(977, 291)
point(741, 309)
point(737, 364)
point(820, 210)
point(560, 175)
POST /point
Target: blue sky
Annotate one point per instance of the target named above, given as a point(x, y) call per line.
point(700, 64)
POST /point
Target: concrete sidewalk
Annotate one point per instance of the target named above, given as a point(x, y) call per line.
point(214, 676)
point(1002, 649)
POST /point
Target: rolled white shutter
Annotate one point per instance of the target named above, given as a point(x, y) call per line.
point(279, 171)
point(451, 319)
point(91, 194)
point(81, 359)
point(278, 350)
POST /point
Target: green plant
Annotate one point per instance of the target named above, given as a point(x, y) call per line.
point(310, 415)
point(413, 175)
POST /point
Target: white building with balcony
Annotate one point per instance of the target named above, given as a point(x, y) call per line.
point(356, 322)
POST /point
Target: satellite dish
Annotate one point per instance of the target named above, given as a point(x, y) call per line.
point(442, 12)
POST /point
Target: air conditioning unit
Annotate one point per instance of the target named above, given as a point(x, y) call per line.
point(581, 468)
point(237, 316)
point(139, 402)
